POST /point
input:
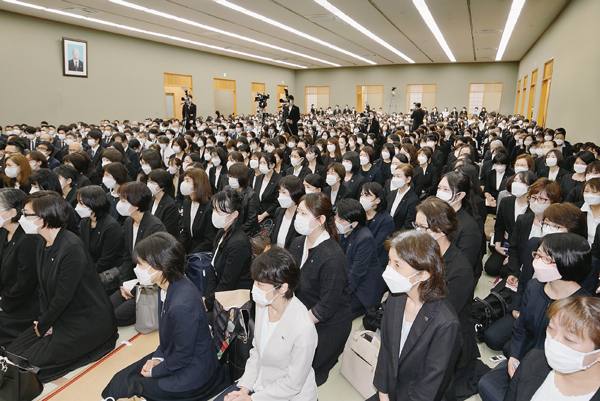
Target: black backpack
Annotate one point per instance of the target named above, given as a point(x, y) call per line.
point(486, 311)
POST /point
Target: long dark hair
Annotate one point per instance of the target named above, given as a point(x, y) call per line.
point(229, 201)
point(319, 204)
point(460, 182)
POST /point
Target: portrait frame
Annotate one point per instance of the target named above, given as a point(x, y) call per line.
point(72, 66)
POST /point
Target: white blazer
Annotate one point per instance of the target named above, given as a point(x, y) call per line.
point(287, 359)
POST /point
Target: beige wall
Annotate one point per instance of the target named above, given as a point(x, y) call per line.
point(125, 76)
point(452, 82)
point(573, 41)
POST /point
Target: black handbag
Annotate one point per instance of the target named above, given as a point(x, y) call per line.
point(18, 378)
point(486, 311)
point(238, 352)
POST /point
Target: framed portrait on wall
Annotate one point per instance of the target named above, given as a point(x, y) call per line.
point(75, 60)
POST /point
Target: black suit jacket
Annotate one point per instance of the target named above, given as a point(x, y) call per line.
point(104, 243)
point(469, 236)
point(304, 171)
point(134, 158)
point(319, 169)
point(96, 158)
point(72, 299)
point(291, 234)
point(505, 218)
point(215, 185)
point(425, 367)
point(251, 207)
point(518, 241)
point(294, 115)
point(168, 213)
point(430, 182)
point(343, 193)
point(72, 65)
point(231, 265)
point(268, 202)
point(530, 375)
point(19, 296)
point(200, 238)
point(405, 213)
point(148, 226)
point(355, 184)
point(491, 182)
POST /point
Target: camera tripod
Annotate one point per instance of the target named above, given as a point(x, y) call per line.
point(393, 103)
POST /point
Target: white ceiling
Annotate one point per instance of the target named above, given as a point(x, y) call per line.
point(472, 28)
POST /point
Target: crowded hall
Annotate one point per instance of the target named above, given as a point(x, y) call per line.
point(196, 204)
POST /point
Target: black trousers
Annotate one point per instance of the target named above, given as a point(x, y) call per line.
point(129, 382)
point(494, 265)
point(124, 309)
point(11, 328)
point(500, 332)
point(332, 338)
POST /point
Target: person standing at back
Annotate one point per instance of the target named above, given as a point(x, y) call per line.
point(417, 117)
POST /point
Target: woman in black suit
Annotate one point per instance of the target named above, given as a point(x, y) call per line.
point(19, 295)
point(365, 283)
point(439, 219)
point(290, 192)
point(198, 232)
point(379, 221)
point(163, 206)
point(323, 281)
point(100, 232)
point(511, 206)
point(297, 159)
point(403, 200)
point(265, 186)
point(431, 177)
point(315, 163)
point(353, 179)
point(135, 201)
point(115, 175)
point(495, 180)
point(218, 172)
point(67, 176)
point(385, 161)
point(185, 365)
point(455, 189)
point(553, 169)
point(239, 178)
point(334, 189)
point(367, 168)
point(77, 324)
point(420, 332)
point(232, 252)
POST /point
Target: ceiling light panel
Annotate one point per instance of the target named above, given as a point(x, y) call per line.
point(428, 18)
point(217, 30)
point(151, 33)
point(513, 16)
point(338, 13)
point(289, 29)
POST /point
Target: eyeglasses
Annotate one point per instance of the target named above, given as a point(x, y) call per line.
point(545, 258)
point(28, 214)
point(419, 227)
point(546, 225)
point(537, 199)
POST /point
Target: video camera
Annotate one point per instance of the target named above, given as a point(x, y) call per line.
point(365, 114)
point(187, 98)
point(261, 98)
point(287, 99)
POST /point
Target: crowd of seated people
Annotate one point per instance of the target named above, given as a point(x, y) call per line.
point(358, 205)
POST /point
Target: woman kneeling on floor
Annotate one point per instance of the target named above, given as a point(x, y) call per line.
point(185, 365)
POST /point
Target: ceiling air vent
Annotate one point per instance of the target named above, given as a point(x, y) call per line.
point(83, 11)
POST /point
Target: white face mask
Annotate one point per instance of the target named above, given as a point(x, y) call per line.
point(591, 199)
point(295, 161)
point(146, 169)
point(229, 164)
point(565, 359)
point(551, 161)
point(385, 155)
point(332, 179)
point(347, 166)
point(579, 168)
point(83, 211)
point(29, 226)
point(447, 197)
point(422, 159)
point(590, 176)
point(186, 188)
point(234, 183)
point(143, 276)
point(123, 208)
point(519, 169)
point(331, 148)
point(499, 168)
point(398, 182)
point(260, 297)
point(364, 160)
point(154, 188)
point(538, 208)
point(519, 189)
point(310, 157)
point(342, 229)
point(367, 204)
point(176, 149)
point(302, 225)
point(254, 164)
point(264, 169)
point(33, 165)
point(396, 282)
point(12, 172)
point(284, 201)
point(559, 142)
point(216, 161)
point(219, 221)
point(92, 142)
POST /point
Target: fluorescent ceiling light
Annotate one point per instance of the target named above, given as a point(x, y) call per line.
point(334, 10)
point(513, 16)
point(424, 11)
point(210, 28)
point(290, 30)
point(129, 28)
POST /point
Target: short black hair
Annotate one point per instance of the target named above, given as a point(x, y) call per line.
point(294, 186)
point(375, 189)
point(277, 266)
point(66, 172)
point(46, 180)
point(352, 211)
point(315, 180)
point(501, 158)
point(152, 157)
point(163, 253)
point(118, 171)
point(162, 178)
point(51, 207)
point(95, 134)
point(12, 198)
point(571, 253)
point(94, 197)
point(354, 159)
point(137, 194)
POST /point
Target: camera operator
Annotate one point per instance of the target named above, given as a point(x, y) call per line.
point(293, 116)
point(417, 117)
point(188, 111)
point(373, 124)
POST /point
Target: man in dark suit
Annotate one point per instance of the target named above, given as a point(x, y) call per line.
point(94, 137)
point(293, 116)
point(75, 64)
point(417, 117)
point(189, 113)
